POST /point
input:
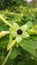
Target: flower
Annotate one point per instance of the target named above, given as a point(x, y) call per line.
point(19, 32)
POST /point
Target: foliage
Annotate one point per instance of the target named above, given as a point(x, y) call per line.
point(24, 53)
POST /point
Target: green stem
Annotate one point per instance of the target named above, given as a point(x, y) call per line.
point(11, 45)
point(7, 57)
point(5, 21)
point(34, 27)
point(33, 30)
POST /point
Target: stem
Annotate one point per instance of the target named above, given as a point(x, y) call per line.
point(5, 21)
point(34, 27)
point(33, 30)
point(11, 45)
point(7, 57)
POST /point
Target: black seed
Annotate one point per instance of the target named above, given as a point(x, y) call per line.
point(19, 31)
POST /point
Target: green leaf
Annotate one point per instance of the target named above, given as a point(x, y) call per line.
point(21, 63)
point(34, 37)
point(3, 27)
point(30, 46)
point(15, 53)
point(4, 41)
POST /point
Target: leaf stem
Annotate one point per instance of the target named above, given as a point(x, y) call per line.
point(5, 21)
point(34, 27)
point(33, 30)
point(10, 45)
point(7, 56)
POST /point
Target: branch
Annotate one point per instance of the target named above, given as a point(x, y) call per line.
point(5, 21)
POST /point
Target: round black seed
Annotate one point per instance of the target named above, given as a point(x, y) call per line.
point(19, 31)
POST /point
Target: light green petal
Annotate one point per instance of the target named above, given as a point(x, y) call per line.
point(14, 29)
point(18, 38)
point(14, 33)
point(16, 26)
point(25, 35)
point(24, 27)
